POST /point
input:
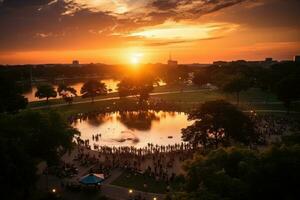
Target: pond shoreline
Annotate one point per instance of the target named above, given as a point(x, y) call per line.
point(136, 128)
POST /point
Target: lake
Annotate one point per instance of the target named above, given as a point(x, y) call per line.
point(136, 128)
point(110, 83)
point(112, 86)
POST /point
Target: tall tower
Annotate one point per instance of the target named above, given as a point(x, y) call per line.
point(172, 63)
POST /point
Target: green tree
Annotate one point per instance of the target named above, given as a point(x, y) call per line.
point(67, 93)
point(237, 85)
point(288, 90)
point(45, 91)
point(41, 133)
point(18, 170)
point(201, 78)
point(176, 76)
point(140, 86)
point(235, 174)
point(219, 123)
point(37, 136)
point(11, 99)
point(92, 89)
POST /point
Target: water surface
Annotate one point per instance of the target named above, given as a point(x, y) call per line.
point(133, 128)
point(111, 85)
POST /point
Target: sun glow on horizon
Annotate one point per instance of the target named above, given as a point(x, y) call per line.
point(135, 58)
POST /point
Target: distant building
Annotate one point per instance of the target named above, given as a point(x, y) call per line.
point(75, 63)
point(297, 58)
point(241, 62)
point(220, 63)
point(269, 60)
point(172, 63)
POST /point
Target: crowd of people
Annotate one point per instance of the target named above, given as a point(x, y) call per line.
point(63, 170)
point(162, 162)
point(157, 161)
point(270, 126)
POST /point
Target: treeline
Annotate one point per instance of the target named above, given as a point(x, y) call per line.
point(238, 173)
point(228, 165)
point(26, 139)
point(281, 79)
point(50, 72)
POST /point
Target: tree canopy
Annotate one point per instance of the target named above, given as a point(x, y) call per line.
point(218, 123)
point(11, 99)
point(45, 91)
point(235, 174)
point(140, 86)
point(177, 75)
point(25, 139)
point(66, 92)
point(288, 90)
point(92, 89)
point(237, 85)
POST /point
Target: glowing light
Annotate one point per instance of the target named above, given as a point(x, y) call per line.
point(130, 191)
point(173, 30)
point(53, 190)
point(136, 58)
point(111, 6)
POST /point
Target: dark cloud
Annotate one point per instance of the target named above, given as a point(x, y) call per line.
point(22, 3)
point(46, 27)
point(264, 14)
point(165, 5)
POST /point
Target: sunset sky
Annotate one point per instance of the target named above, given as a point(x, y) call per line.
point(124, 31)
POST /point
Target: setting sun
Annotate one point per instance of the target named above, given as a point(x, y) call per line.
point(136, 58)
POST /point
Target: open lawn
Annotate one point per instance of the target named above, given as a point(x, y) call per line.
point(184, 100)
point(43, 102)
point(136, 181)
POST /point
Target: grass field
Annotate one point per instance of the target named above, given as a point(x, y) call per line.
point(136, 182)
point(110, 95)
point(253, 99)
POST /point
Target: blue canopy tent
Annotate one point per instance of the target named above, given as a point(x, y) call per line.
point(92, 179)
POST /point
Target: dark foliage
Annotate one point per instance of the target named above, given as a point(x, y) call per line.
point(219, 123)
point(26, 139)
point(92, 89)
point(11, 99)
point(45, 91)
point(235, 174)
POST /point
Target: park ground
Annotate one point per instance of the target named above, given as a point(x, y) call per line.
point(185, 98)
